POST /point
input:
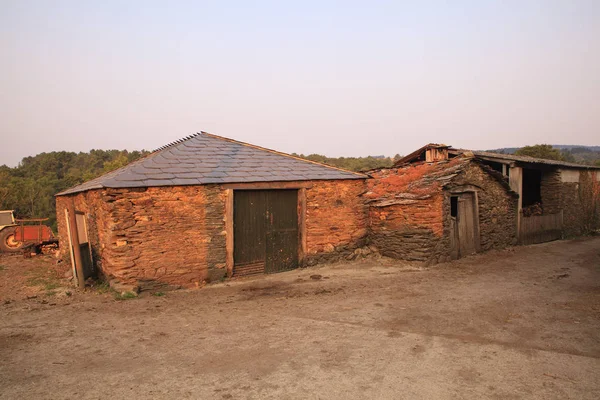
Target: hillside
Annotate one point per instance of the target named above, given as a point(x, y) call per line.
point(573, 153)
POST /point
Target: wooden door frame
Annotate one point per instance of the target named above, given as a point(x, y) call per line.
point(230, 190)
point(470, 189)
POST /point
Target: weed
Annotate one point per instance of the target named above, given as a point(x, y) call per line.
point(68, 293)
point(51, 293)
point(48, 285)
point(2, 267)
point(158, 294)
point(103, 287)
point(125, 296)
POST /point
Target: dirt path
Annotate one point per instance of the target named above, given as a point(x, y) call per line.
point(522, 323)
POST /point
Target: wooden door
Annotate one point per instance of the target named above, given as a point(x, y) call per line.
point(80, 230)
point(265, 224)
point(467, 225)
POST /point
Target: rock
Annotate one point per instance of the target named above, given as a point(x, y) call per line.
point(316, 277)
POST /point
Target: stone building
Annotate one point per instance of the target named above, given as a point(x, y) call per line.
point(556, 199)
point(440, 203)
point(207, 207)
point(431, 209)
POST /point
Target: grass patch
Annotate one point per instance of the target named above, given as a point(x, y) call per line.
point(125, 296)
point(41, 279)
point(102, 287)
point(2, 267)
point(51, 285)
point(158, 294)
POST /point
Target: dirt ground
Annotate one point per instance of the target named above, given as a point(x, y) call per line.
point(519, 323)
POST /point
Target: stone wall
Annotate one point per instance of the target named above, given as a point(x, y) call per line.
point(90, 203)
point(550, 190)
point(497, 207)
point(156, 236)
point(336, 220)
point(176, 235)
point(580, 202)
point(417, 226)
point(413, 228)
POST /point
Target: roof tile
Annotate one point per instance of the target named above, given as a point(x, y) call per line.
point(208, 159)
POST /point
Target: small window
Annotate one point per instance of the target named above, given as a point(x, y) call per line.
point(453, 206)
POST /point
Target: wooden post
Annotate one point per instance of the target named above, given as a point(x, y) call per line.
point(75, 245)
point(229, 244)
point(302, 225)
point(515, 180)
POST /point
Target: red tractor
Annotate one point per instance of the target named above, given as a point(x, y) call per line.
point(17, 233)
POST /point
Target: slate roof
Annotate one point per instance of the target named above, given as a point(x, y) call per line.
point(204, 158)
point(523, 159)
point(486, 155)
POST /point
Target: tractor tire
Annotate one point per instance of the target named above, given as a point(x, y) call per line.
point(8, 241)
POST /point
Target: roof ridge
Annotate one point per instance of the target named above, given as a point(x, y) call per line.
point(176, 142)
point(279, 153)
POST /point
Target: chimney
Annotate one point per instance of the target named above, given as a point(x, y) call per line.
point(436, 152)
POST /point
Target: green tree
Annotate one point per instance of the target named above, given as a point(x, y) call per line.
point(544, 151)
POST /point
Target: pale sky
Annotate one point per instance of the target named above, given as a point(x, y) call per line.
point(341, 78)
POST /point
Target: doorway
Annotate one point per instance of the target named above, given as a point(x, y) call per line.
point(265, 225)
point(464, 224)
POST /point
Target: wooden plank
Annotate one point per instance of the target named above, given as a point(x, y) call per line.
point(229, 237)
point(268, 185)
point(74, 270)
point(75, 245)
point(301, 226)
point(541, 228)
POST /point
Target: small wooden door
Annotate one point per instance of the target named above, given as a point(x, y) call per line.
point(465, 225)
point(265, 224)
point(81, 230)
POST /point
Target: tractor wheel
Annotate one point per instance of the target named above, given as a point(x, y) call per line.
point(9, 242)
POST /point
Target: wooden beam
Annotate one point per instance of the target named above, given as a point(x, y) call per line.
point(268, 185)
point(301, 225)
point(229, 243)
point(75, 244)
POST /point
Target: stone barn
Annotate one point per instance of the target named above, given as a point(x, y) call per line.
point(432, 209)
point(556, 199)
point(207, 207)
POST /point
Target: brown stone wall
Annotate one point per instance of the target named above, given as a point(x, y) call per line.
point(336, 220)
point(550, 190)
point(96, 216)
point(497, 208)
point(418, 229)
point(176, 235)
point(411, 231)
point(155, 236)
point(580, 202)
point(172, 235)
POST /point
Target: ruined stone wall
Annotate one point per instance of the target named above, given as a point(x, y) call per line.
point(412, 230)
point(497, 208)
point(336, 220)
point(416, 225)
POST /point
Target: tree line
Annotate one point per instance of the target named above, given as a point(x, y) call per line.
point(30, 187)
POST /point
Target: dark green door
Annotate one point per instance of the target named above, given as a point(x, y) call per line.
point(265, 224)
